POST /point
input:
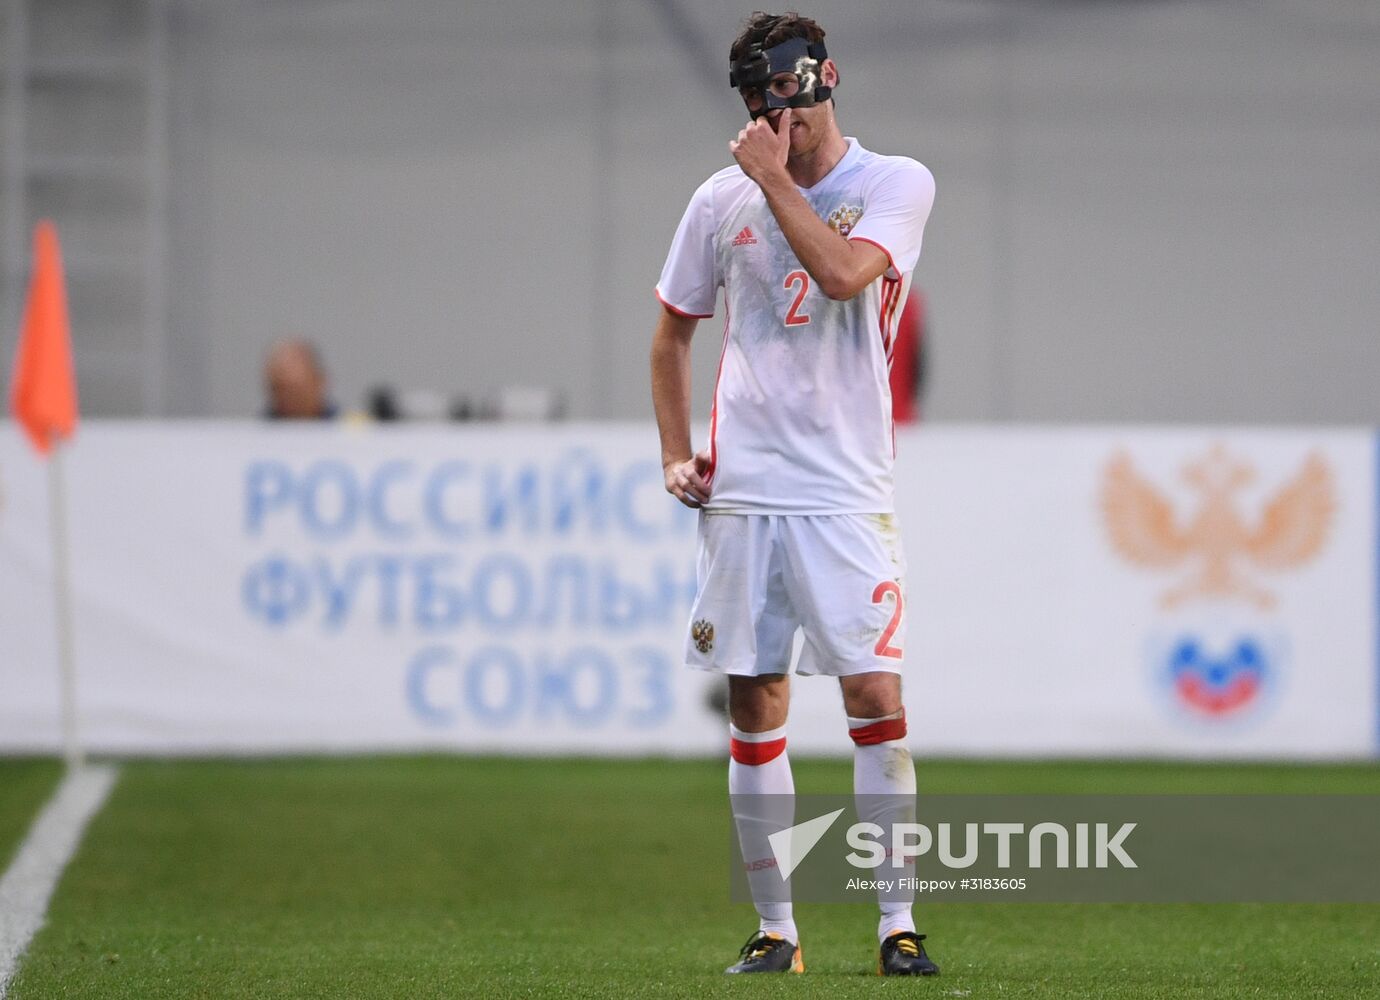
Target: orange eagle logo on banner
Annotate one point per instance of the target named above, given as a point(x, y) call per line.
point(1217, 541)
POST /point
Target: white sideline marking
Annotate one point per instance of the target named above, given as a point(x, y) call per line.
point(33, 875)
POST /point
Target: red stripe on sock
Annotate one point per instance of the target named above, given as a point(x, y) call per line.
point(882, 731)
point(755, 753)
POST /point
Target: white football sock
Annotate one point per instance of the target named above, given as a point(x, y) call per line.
point(884, 782)
point(762, 793)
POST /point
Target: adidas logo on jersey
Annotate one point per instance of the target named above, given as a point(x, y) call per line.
point(745, 237)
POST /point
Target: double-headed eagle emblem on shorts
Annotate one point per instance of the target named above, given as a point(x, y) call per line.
point(702, 632)
point(1291, 531)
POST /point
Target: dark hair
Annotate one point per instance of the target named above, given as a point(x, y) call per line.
point(773, 29)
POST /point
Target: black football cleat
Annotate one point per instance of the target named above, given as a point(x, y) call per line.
point(767, 952)
point(904, 955)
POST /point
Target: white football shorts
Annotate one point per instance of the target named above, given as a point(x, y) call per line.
point(839, 577)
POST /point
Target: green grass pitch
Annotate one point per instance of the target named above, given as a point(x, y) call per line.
point(461, 877)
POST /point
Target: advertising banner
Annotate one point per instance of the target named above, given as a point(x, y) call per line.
point(247, 588)
point(1143, 591)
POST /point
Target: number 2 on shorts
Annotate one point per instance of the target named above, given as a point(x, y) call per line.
point(884, 646)
point(793, 315)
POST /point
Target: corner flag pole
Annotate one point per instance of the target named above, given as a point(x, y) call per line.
point(43, 399)
point(62, 607)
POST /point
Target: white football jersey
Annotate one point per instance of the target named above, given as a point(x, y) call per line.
point(801, 421)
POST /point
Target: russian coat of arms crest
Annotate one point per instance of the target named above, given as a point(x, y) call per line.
point(702, 632)
point(842, 219)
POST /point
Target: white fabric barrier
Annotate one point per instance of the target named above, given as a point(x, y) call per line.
point(1082, 591)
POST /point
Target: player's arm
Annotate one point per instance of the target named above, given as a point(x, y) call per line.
point(684, 470)
point(840, 268)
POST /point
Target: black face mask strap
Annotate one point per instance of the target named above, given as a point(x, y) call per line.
point(819, 53)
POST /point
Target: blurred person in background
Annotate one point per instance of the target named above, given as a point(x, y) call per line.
point(813, 239)
point(908, 361)
point(295, 382)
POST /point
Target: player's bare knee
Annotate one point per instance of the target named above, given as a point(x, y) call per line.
point(757, 704)
point(871, 695)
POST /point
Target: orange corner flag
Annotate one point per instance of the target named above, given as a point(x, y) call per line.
point(43, 394)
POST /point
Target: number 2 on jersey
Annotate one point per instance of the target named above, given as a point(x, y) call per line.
point(794, 317)
point(884, 646)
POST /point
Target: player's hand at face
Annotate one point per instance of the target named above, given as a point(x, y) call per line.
point(685, 480)
point(761, 150)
